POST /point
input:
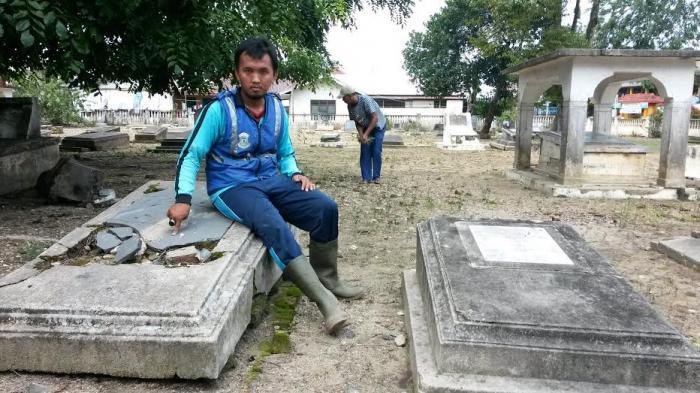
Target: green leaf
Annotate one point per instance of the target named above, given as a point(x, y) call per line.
point(27, 39)
point(61, 30)
point(177, 70)
point(49, 17)
point(1, 30)
point(22, 25)
point(35, 5)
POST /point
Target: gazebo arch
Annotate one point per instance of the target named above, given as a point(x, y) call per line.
point(596, 74)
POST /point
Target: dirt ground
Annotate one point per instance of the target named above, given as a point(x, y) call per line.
point(378, 241)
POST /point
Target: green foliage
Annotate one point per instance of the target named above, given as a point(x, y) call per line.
point(655, 124)
point(59, 104)
point(164, 45)
point(648, 24)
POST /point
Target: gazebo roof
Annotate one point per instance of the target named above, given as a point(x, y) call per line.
point(560, 53)
point(641, 97)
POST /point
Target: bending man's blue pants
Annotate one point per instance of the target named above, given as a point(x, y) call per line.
point(371, 157)
point(266, 206)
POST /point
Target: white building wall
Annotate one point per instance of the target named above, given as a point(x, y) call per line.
point(300, 101)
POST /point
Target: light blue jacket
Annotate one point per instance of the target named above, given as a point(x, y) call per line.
point(237, 149)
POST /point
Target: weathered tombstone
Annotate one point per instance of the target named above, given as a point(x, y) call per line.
point(458, 133)
point(72, 181)
point(516, 306)
point(174, 140)
point(330, 137)
point(101, 138)
point(143, 320)
point(692, 162)
point(684, 250)
point(393, 140)
point(152, 134)
point(24, 154)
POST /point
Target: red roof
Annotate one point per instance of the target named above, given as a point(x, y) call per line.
point(641, 97)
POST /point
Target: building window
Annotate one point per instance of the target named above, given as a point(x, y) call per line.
point(323, 108)
point(389, 103)
point(439, 103)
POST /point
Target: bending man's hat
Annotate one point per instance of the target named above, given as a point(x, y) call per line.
point(345, 91)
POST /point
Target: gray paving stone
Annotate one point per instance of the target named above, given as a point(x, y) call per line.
point(128, 249)
point(147, 216)
point(685, 250)
point(122, 232)
point(562, 321)
point(106, 241)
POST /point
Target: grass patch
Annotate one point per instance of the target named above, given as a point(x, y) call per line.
point(31, 250)
point(282, 307)
point(153, 187)
point(653, 145)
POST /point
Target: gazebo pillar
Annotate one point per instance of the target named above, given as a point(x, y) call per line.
point(674, 143)
point(523, 136)
point(572, 141)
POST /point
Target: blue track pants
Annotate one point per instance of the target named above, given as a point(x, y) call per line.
point(266, 206)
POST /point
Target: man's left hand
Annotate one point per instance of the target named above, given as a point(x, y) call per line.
point(306, 184)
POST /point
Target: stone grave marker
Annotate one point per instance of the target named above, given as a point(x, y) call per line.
point(458, 133)
point(24, 153)
point(174, 140)
point(684, 250)
point(66, 314)
point(101, 138)
point(393, 140)
point(517, 306)
point(151, 134)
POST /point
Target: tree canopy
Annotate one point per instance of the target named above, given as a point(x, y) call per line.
point(648, 24)
point(168, 45)
point(470, 42)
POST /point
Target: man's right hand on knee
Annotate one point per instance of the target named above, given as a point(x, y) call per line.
point(178, 213)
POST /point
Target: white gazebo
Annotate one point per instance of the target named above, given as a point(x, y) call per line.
point(596, 75)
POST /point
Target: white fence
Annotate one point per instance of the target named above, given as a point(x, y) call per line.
point(124, 117)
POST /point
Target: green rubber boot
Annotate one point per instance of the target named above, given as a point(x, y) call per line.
point(300, 272)
point(324, 260)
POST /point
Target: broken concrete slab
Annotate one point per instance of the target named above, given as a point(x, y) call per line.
point(503, 321)
point(695, 234)
point(134, 320)
point(684, 250)
point(72, 181)
point(147, 216)
point(23, 161)
point(152, 134)
point(122, 232)
point(128, 249)
point(106, 241)
point(103, 138)
point(20, 118)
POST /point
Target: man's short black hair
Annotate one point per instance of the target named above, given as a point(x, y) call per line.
point(257, 47)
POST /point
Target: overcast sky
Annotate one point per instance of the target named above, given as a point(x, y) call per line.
point(370, 55)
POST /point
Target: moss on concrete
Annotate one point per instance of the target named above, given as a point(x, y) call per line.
point(282, 307)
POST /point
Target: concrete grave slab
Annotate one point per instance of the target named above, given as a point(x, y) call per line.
point(147, 216)
point(135, 320)
point(152, 134)
point(174, 140)
point(106, 241)
point(330, 137)
point(122, 232)
point(483, 320)
point(393, 140)
point(685, 250)
point(102, 138)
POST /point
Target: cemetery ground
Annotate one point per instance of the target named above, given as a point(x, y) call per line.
point(377, 243)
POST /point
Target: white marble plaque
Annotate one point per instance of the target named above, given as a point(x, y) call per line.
point(517, 245)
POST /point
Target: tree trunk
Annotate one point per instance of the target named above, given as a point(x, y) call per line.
point(577, 15)
point(488, 119)
point(593, 20)
point(557, 21)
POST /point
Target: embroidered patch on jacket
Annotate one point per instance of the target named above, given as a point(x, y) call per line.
point(243, 142)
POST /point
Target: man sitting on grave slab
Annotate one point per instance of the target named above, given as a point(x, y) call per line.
point(253, 178)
